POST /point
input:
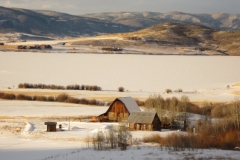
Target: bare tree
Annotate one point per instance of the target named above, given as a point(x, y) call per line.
point(235, 114)
point(112, 137)
point(98, 140)
point(184, 107)
point(124, 135)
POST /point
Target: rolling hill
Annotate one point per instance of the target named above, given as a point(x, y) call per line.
point(174, 34)
point(54, 23)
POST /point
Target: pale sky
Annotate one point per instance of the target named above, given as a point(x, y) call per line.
point(94, 6)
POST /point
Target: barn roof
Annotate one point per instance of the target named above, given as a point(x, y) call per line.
point(130, 104)
point(141, 117)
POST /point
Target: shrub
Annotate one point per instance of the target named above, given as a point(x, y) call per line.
point(8, 96)
point(140, 103)
point(51, 99)
point(92, 102)
point(62, 97)
point(153, 138)
point(72, 100)
point(168, 91)
point(1, 94)
point(120, 89)
point(40, 98)
point(83, 101)
point(180, 90)
point(83, 87)
point(23, 97)
point(20, 85)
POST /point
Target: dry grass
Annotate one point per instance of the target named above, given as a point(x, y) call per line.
point(13, 127)
point(67, 139)
point(33, 93)
point(237, 84)
point(8, 47)
point(173, 34)
point(235, 92)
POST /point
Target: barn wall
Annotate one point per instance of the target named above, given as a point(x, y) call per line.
point(51, 128)
point(117, 112)
point(156, 124)
point(140, 127)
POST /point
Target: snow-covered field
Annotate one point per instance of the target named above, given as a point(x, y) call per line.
point(134, 72)
point(47, 109)
point(34, 143)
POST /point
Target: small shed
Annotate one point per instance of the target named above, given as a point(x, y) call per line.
point(119, 110)
point(51, 126)
point(144, 120)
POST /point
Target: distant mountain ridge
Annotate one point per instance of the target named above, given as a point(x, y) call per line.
point(56, 24)
point(222, 21)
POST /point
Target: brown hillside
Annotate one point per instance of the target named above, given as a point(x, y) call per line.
point(174, 34)
point(228, 41)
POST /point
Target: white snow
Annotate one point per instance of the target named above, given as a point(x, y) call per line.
point(47, 109)
point(134, 72)
point(69, 145)
point(201, 78)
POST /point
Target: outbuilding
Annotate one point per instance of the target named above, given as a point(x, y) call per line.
point(51, 126)
point(144, 120)
point(119, 110)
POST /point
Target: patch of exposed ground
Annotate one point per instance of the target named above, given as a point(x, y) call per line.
point(237, 84)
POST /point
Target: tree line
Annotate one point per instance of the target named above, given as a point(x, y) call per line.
point(58, 87)
point(223, 132)
point(60, 98)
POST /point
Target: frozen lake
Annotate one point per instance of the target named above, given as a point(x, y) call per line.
point(133, 72)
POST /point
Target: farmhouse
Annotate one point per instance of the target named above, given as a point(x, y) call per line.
point(119, 110)
point(143, 120)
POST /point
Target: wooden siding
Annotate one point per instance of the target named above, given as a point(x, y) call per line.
point(140, 127)
point(51, 128)
point(116, 113)
point(154, 126)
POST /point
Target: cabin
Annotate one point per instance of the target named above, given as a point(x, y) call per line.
point(144, 121)
point(119, 110)
point(51, 126)
point(1, 44)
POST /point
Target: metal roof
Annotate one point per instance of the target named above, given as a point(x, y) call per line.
point(130, 104)
point(141, 117)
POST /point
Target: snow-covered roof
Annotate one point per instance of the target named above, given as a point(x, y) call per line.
point(141, 117)
point(130, 104)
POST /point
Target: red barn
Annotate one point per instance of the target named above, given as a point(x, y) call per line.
point(119, 110)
